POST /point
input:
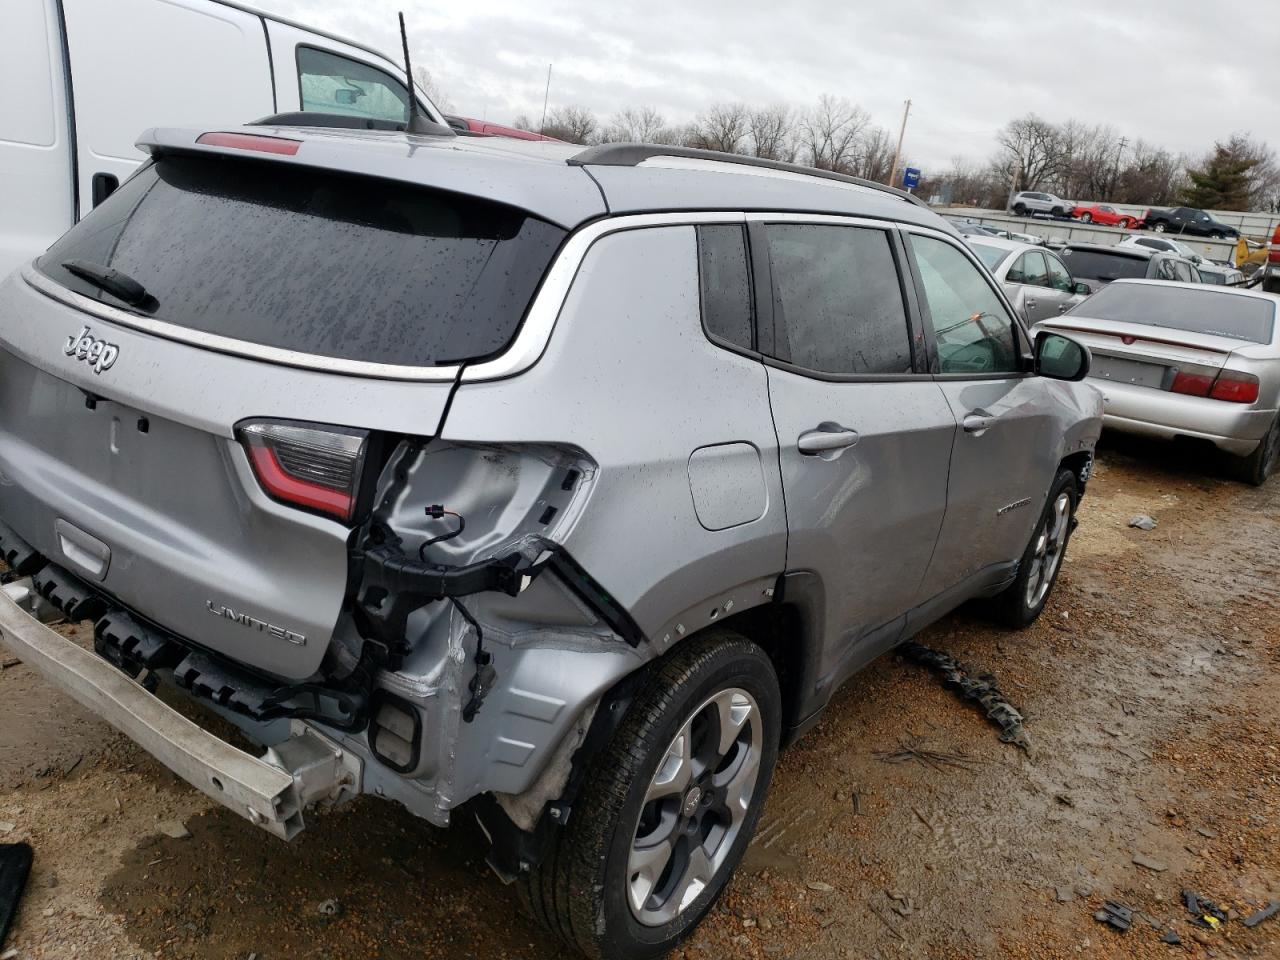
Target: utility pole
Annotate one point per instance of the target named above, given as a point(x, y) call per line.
point(1115, 172)
point(897, 154)
point(545, 96)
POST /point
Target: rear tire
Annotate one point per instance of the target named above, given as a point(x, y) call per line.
point(1257, 466)
point(1021, 603)
point(1019, 210)
point(1124, 224)
point(607, 887)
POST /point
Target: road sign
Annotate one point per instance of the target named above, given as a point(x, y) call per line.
point(910, 178)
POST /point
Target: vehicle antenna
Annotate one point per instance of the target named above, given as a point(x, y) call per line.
point(417, 122)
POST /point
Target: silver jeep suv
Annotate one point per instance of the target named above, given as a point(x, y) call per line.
point(566, 485)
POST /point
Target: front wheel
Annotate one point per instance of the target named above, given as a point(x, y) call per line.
point(1086, 218)
point(1019, 604)
point(1158, 227)
point(668, 807)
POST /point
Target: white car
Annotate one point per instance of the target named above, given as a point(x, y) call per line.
point(1164, 245)
point(1027, 202)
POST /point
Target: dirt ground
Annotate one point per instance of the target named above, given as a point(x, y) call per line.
point(1151, 688)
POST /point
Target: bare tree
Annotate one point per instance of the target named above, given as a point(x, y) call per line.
point(637, 125)
point(875, 154)
point(830, 133)
point(571, 124)
point(428, 84)
point(771, 132)
point(1032, 153)
point(723, 127)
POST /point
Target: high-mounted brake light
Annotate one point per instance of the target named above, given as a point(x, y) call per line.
point(251, 141)
point(316, 468)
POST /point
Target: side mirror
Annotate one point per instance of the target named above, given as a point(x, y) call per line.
point(1061, 358)
point(1081, 289)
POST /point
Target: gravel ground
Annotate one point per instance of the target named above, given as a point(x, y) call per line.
point(1151, 688)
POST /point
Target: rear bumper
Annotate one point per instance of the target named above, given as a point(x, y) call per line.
point(1232, 427)
point(270, 791)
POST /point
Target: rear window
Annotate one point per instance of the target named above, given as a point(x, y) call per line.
point(1179, 308)
point(1100, 265)
point(990, 256)
point(316, 262)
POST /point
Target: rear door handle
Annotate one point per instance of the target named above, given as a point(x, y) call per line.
point(826, 438)
point(976, 423)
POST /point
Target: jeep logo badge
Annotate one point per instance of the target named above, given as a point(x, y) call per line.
point(99, 354)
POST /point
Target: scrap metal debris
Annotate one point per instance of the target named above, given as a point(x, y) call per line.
point(1270, 910)
point(1116, 915)
point(982, 690)
point(1204, 913)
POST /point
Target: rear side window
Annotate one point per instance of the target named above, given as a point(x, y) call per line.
point(316, 262)
point(1104, 266)
point(837, 299)
point(1221, 313)
point(329, 83)
point(725, 283)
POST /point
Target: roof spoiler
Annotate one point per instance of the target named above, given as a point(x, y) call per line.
point(633, 154)
point(341, 121)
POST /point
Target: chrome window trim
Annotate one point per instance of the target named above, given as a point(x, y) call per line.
point(539, 323)
point(228, 345)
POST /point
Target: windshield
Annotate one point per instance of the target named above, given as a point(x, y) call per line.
point(990, 256)
point(1222, 314)
point(315, 262)
point(1104, 266)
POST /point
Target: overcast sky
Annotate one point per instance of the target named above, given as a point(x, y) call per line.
point(1180, 73)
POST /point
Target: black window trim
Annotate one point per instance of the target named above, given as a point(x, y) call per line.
point(297, 69)
point(753, 320)
point(758, 224)
point(1020, 331)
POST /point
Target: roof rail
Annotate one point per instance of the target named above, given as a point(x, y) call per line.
point(342, 121)
point(633, 154)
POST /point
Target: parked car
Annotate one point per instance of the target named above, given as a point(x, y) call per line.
point(1164, 245)
point(415, 532)
point(1037, 282)
point(468, 125)
point(1176, 360)
point(1027, 202)
point(68, 141)
point(1189, 220)
point(1106, 215)
point(1096, 265)
point(1211, 272)
point(967, 228)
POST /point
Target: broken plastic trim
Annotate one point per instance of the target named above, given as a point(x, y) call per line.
point(395, 584)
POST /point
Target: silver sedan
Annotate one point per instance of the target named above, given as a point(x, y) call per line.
point(1186, 360)
point(1036, 280)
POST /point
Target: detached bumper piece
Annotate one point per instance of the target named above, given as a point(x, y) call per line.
point(270, 791)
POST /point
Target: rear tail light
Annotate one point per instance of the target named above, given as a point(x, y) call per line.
point(316, 468)
point(1235, 387)
point(1192, 384)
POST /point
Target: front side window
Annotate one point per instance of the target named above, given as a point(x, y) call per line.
point(974, 332)
point(329, 83)
point(725, 283)
point(1184, 272)
point(1059, 278)
point(1030, 269)
point(838, 303)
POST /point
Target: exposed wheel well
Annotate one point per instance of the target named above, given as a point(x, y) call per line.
point(1080, 464)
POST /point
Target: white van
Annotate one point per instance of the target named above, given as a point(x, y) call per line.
point(93, 74)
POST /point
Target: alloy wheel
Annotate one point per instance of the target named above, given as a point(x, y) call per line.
point(1050, 541)
point(695, 806)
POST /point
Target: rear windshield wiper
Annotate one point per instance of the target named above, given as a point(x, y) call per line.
point(119, 285)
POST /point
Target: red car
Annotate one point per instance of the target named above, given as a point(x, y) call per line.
point(1106, 215)
point(484, 127)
